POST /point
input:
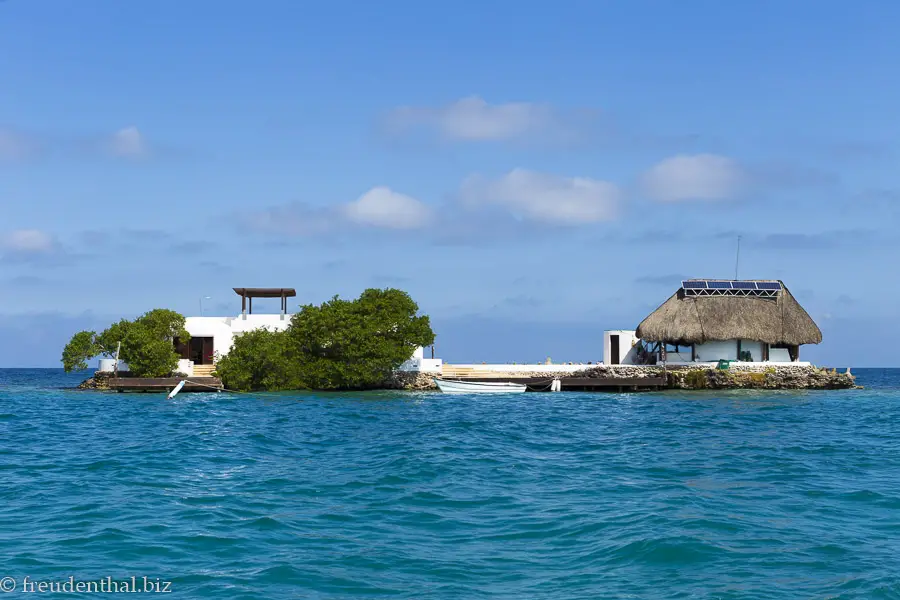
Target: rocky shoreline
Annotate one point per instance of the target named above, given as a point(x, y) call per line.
point(99, 381)
point(677, 378)
point(761, 377)
point(771, 378)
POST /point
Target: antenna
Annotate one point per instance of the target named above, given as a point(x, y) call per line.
point(737, 258)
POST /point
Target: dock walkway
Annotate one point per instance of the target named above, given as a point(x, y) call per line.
point(164, 384)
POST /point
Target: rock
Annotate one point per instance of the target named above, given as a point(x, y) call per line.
point(100, 381)
point(757, 376)
point(412, 381)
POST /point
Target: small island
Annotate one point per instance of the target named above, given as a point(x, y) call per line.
point(710, 334)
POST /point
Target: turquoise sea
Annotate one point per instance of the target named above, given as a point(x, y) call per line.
point(396, 495)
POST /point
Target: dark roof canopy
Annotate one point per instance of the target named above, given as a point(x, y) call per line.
point(690, 319)
point(265, 292)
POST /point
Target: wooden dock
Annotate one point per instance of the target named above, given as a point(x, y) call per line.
point(164, 384)
point(584, 384)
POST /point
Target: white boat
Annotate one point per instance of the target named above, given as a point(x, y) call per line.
point(479, 387)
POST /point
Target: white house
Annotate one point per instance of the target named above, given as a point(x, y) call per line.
point(620, 347)
point(212, 337)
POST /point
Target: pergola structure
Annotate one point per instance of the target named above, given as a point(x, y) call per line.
point(251, 293)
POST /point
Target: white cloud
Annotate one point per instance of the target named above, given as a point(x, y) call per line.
point(474, 119)
point(385, 208)
point(28, 241)
point(547, 198)
point(379, 208)
point(694, 177)
point(31, 246)
point(128, 143)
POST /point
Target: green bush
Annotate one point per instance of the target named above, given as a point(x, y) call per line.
point(147, 344)
point(341, 344)
point(259, 360)
point(148, 354)
point(109, 338)
point(80, 349)
point(356, 344)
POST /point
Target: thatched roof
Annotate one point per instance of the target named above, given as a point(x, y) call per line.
point(686, 319)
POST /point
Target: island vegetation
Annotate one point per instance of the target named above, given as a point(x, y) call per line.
point(145, 343)
point(340, 344)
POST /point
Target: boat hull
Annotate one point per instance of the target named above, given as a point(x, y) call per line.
point(478, 387)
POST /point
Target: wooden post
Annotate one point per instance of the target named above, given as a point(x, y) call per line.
point(251, 305)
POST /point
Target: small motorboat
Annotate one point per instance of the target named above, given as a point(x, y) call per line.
point(479, 387)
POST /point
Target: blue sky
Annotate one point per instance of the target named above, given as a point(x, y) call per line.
point(531, 173)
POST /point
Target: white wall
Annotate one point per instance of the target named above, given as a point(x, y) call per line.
point(422, 365)
point(185, 366)
point(627, 346)
point(223, 329)
point(108, 365)
point(779, 355)
point(721, 350)
point(713, 351)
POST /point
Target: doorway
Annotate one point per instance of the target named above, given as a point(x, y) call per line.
point(614, 349)
point(201, 351)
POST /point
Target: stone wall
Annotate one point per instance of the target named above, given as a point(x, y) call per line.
point(412, 381)
point(100, 381)
point(766, 378)
point(746, 376)
point(619, 371)
point(787, 377)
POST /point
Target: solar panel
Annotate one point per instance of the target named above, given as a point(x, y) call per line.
point(694, 285)
point(719, 285)
point(743, 285)
point(768, 285)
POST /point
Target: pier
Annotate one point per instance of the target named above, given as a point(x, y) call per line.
point(164, 384)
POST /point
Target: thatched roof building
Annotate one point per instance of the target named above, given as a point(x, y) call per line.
point(702, 311)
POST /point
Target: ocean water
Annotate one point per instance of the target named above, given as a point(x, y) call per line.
point(389, 495)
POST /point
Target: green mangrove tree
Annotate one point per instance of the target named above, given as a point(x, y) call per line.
point(147, 344)
point(340, 344)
